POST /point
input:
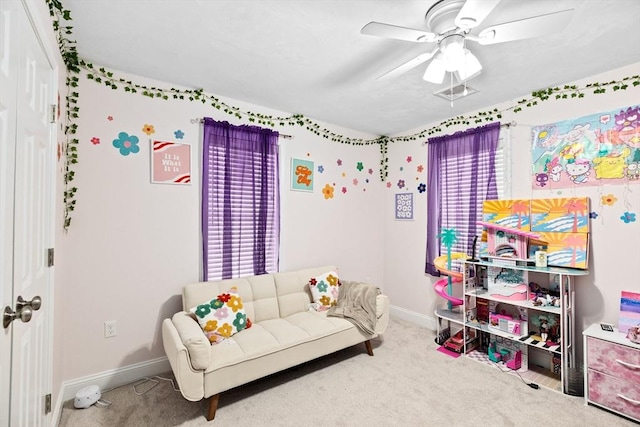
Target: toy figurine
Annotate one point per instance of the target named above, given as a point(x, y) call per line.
point(544, 328)
point(548, 327)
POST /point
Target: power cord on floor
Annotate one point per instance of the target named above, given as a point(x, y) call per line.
point(155, 382)
point(102, 402)
point(532, 385)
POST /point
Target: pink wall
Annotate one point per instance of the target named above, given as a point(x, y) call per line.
point(132, 244)
point(614, 245)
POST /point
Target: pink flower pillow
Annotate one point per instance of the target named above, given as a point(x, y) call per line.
point(222, 317)
point(325, 289)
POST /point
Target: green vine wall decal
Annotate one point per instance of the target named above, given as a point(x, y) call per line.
point(101, 75)
point(72, 63)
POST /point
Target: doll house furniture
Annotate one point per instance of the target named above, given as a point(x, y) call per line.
point(494, 355)
point(506, 245)
point(517, 226)
point(516, 362)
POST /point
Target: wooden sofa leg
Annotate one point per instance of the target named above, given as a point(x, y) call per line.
point(213, 405)
point(367, 343)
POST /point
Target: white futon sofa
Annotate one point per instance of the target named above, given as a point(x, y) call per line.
point(285, 331)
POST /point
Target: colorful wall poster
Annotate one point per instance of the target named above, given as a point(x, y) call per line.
point(560, 215)
point(404, 206)
point(566, 249)
point(302, 175)
point(507, 213)
point(170, 163)
point(629, 311)
point(559, 227)
point(602, 148)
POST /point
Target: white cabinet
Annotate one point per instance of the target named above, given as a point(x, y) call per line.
point(612, 378)
point(518, 317)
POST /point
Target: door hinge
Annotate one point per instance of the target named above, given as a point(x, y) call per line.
point(47, 403)
point(50, 257)
point(53, 113)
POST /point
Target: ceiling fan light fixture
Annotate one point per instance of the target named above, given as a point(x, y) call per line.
point(470, 67)
point(435, 70)
point(453, 52)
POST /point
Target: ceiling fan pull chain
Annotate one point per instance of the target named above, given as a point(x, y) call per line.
point(451, 88)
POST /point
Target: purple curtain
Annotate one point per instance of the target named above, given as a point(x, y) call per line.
point(461, 175)
point(240, 200)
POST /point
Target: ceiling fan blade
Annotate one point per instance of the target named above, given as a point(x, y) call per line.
point(473, 12)
point(420, 59)
point(395, 32)
point(525, 28)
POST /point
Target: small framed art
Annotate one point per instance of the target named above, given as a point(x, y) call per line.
point(302, 175)
point(170, 163)
point(404, 206)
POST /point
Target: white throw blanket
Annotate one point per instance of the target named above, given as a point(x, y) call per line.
point(357, 303)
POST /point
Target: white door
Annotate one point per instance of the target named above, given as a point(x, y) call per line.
point(26, 188)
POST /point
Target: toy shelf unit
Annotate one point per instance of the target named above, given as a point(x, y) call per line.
point(519, 317)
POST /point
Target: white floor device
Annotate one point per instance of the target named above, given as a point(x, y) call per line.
point(87, 397)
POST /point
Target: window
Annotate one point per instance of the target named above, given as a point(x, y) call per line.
point(240, 200)
point(465, 169)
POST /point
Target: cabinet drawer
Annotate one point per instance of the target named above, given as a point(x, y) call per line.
point(614, 393)
point(613, 359)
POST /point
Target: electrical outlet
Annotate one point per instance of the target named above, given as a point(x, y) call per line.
point(109, 328)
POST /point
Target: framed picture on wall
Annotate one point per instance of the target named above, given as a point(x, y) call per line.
point(170, 163)
point(404, 206)
point(302, 175)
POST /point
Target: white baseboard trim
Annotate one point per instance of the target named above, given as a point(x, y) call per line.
point(108, 380)
point(413, 317)
point(113, 378)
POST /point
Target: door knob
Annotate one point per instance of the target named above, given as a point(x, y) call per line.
point(24, 310)
point(8, 316)
point(25, 314)
point(35, 304)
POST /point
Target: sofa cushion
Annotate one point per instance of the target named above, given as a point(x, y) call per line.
point(274, 335)
point(293, 290)
point(258, 295)
point(264, 299)
point(222, 317)
point(325, 289)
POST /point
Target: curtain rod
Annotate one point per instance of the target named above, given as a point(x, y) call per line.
point(502, 125)
point(283, 135)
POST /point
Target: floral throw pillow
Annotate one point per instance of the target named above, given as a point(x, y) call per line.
point(325, 289)
point(222, 317)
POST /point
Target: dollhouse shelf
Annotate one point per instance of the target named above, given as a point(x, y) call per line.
point(548, 270)
point(538, 375)
point(528, 340)
point(483, 293)
point(546, 362)
point(454, 316)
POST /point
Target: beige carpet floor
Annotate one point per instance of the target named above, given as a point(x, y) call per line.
point(406, 383)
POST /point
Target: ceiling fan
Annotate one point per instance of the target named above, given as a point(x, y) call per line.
point(449, 24)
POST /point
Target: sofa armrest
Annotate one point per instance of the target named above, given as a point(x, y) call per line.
point(190, 380)
point(194, 339)
point(383, 306)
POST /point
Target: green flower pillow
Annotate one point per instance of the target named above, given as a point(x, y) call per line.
point(325, 289)
point(222, 317)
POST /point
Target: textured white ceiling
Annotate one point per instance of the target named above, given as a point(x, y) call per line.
point(308, 56)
